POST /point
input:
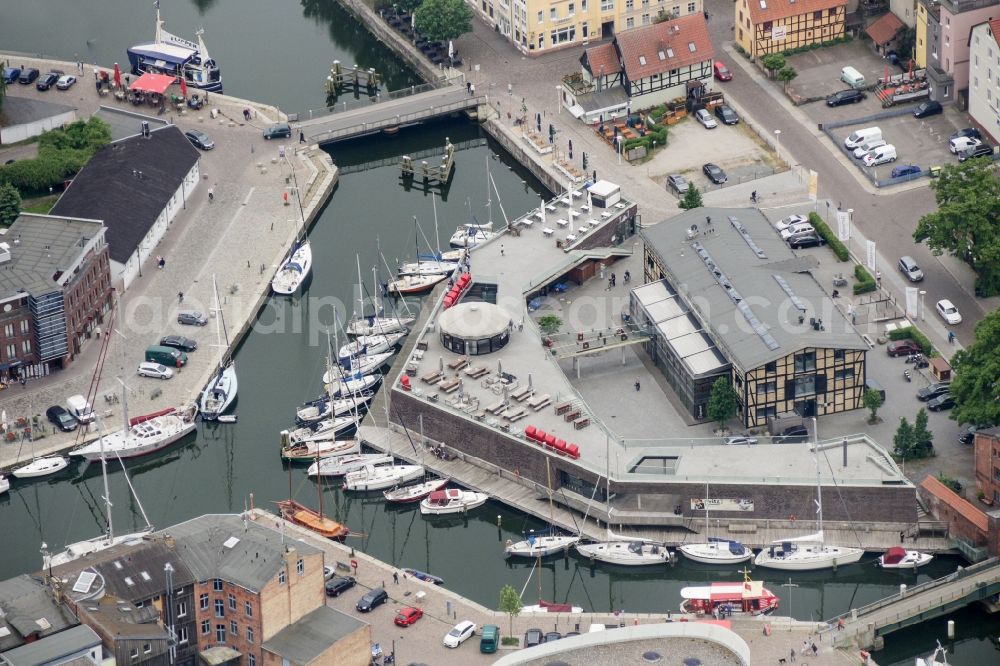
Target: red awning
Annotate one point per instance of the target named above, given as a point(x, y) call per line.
point(153, 83)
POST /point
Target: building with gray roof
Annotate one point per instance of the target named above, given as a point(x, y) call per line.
point(727, 297)
point(316, 638)
point(28, 612)
point(78, 642)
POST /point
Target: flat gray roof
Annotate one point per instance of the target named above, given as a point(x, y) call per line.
point(746, 286)
point(53, 648)
point(312, 635)
point(42, 246)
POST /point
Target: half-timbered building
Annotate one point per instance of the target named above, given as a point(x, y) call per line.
point(773, 26)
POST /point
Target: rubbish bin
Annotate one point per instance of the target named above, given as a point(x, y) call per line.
point(934, 171)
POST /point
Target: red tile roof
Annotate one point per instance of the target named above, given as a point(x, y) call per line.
point(661, 47)
point(884, 28)
point(603, 56)
point(772, 10)
point(995, 29)
point(958, 504)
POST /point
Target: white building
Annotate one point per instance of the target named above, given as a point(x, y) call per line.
point(984, 78)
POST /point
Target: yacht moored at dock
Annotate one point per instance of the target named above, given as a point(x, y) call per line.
point(176, 56)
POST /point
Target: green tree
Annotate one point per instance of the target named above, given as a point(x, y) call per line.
point(722, 401)
point(968, 198)
point(510, 603)
point(692, 198)
point(662, 16)
point(550, 324)
point(10, 204)
point(976, 387)
point(923, 438)
point(906, 39)
point(902, 442)
point(872, 400)
point(441, 20)
point(773, 62)
point(407, 5)
point(786, 74)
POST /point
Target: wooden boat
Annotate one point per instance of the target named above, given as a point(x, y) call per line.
point(312, 520)
point(426, 577)
point(414, 284)
point(415, 493)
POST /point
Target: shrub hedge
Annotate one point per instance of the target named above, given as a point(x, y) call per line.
point(831, 239)
point(865, 282)
point(914, 333)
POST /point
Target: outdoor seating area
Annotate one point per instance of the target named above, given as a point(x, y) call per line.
point(436, 52)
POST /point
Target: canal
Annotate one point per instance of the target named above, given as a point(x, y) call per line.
point(281, 362)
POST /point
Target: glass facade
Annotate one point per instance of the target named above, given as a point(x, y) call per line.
point(475, 347)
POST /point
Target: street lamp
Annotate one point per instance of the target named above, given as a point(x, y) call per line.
point(618, 138)
point(922, 294)
point(777, 142)
point(559, 99)
point(789, 585)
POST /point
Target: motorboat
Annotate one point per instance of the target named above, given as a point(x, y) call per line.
point(415, 493)
point(323, 407)
point(312, 520)
point(294, 270)
point(4, 484)
point(378, 325)
point(626, 553)
point(716, 551)
point(540, 545)
point(319, 449)
point(221, 390)
point(421, 575)
point(347, 385)
point(934, 659)
point(176, 56)
point(364, 365)
point(407, 285)
point(341, 465)
point(371, 344)
point(44, 466)
point(748, 597)
point(451, 500)
point(549, 607)
point(379, 478)
point(806, 553)
point(898, 557)
point(428, 267)
point(472, 234)
point(145, 434)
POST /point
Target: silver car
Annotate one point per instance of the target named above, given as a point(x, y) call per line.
point(154, 370)
point(705, 118)
point(677, 183)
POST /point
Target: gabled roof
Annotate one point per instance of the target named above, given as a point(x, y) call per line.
point(772, 10)
point(54, 648)
point(957, 503)
point(661, 47)
point(995, 29)
point(127, 184)
point(884, 28)
point(602, 58)
point(28, 610)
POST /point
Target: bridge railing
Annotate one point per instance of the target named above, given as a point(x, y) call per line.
point(365, 100)
point(399, 119)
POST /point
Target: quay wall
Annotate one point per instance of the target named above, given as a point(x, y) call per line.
point(519, 150)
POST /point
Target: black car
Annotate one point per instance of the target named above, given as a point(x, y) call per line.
point(47, 81)
point(932, 391)
point(793, 435)
point(714, 173)
point(943, 401)
point(61, 418)
point(533, 637)
point(726, 114)
point(970, 132)
point(979, 150)
point(810, 240)
point(11, 74)
point(28, 76)
point(552, 636)
point(969, 434)
point(179, 342)
point(928, 108)
point(278, 131)
point(200, 139)
point(373, 598)
point(339, 584)
point(849, 96)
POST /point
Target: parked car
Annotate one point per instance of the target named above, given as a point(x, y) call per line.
point(154, 370)
point(796, 229)
point(552, 636)
point(968, 436)
point(28, 76)
point(949, 312)
point(200, 139)
point(971, 132)
point(808, 240)
point(905, 170)
point(65, 82)
point(933, 390)
point(47, 81)
point(903, 348)
point(179, 342)
point(714, 173)
point(722, 72)
point(740, 439)
point(372, 599)
point(11, 74)
point(927, 108)
point(726, 114)
point(407, 615)
point(328, 572)
point(978, 150)
point(960, 143)
point(792, 435)
point(278, 131)
point(849, 96)
point(789, 221)
point(908, 266)
point(940, 403)
point(705, 118)
point(880, 155)
point(61, 418)
point(867, 147)
point(533, 637)
point(460, 633)
point(677, 183)
point(338, 585)
point(191, 318)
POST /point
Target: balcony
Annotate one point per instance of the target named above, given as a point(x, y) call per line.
point(576, 84)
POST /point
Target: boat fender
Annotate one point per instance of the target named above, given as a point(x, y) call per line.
point(864, 656)
point(517, 472)
point(767, 629)
point(791, 517)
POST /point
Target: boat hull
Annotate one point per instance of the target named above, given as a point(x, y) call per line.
point(311, 520)
point(710, 553)
point(293, 271)
point(623, 553)
point(381, 478)
point(413, 494)
point(378, 325)
point(75, 551)
point(220, 393)
point(828, 558)
point(342, 465)
point(913, 560)
point(470, 500)
point(543, 546)
point(41, 467)
point(173, 427)
point(304, 452)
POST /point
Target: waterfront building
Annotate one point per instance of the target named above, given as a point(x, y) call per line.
point(972, 531)
point(76, 646)
point(987, 444)
point(29, 613)
point(726, 297)
point(55, 288)
point(944, 30)
point(136, 186)
point(773, 26)
point(535, 27)
point(984, 86)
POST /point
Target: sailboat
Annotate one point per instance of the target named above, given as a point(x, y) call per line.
point(415, 493)
point(375, 324)
point(352, 384)
point(294, 270)
point(44, 466)
point(324, 407)
point(540, 545)
point(429, 267)
point(625, 551)
point(221, 390)
point(933, 659)
point(312, 520)
point(379, 478)
point(341, 465)
point(808, 553)
point(472, 234)
point(716, 551)
point(365, 364)
point(411, 285)
point(370, 344)
point(141, 435)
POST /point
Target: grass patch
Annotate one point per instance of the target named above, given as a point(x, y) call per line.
point(831, 239)
point(507, 641)
point(915, 334)
point(40, 205)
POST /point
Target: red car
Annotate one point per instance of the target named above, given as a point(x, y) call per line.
point(722, 72)
point(407, 616)
point(903, 348)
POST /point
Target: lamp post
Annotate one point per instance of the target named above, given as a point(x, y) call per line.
point(559, 99)
point(777, 142)
point(789, 585)
point(922, 294)
point(618, 138)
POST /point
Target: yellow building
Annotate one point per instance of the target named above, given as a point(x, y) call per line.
point(537, 26)
point(772, 26)
point(919, 49)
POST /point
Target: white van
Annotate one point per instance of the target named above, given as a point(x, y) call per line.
point(861, 136)
point(867, 147)
point(852, 77)
point(80, 409)
point(881, 155)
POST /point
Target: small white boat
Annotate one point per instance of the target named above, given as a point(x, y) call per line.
point(380, 478)
point(625, 553)
point(415, 284)
point(806, 553)
point(41, 467)
point(898, 557)
point(451, 500)
point(716, 551)
point(321, 448)
point(341, 465)
point(146, 434)
point(327, 429)
point(324, 408)
point(409, 494)
point(294, 270)
point(540, 546)
point(220, 392)
point(471, 235)
point(347, 385)
point(378, 325)
point(548, 607)
point(4, 484)
point(363, 365)
point(371, 344)
point(428, 267)
point(933, 660)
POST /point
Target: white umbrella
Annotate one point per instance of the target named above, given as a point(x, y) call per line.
point(451, 50)
point(541, 210)
point(590, 202)
point(571, 224)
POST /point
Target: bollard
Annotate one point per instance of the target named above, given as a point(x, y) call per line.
point(951, 630)
point(902, 589)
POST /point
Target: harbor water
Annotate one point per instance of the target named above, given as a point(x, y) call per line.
point(281, 361)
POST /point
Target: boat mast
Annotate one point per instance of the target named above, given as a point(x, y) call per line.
point(437, 235)
point(707, 540)
point(361, 291)
point(489, 195)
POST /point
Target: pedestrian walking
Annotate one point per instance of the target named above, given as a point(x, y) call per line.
point(613, 279)
point(951, 337)
point(395, 577)
point(610, 284)
point(302, 136)
point(878, 278)
point(815, 649)
point(79, 68)
point(468, 87)
point(792, 656)
point(180, 296)
point(472, 88)
point(628, 277)
point(211, 194)
point(805, 647)
point(637, 385)
point(510, 89)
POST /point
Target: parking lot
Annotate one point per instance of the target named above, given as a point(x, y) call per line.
point(922, 141)
point(819, 70)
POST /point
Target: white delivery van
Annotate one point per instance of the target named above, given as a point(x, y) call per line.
point(881, 155)
point(80, 409)
point(867, 147)
point(858, 137)
point(852, 77)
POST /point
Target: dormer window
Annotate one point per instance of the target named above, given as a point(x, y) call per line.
point(642, 60)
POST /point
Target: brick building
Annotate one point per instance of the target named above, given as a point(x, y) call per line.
point(968, 525)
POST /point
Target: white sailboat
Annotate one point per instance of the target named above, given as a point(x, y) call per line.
point(341, 465)
point(540, 545)
point(414, 493)
point(428, 267)
point(370, 344)
point(375, 324)
point(472, 234)
point(623, 551)
point(363, 365)
point(933, 659)
point(354, 384)
point(715, 551)
point(451, 500)
point(221, 390)
point(415, 284)
point(4, 484)
point(140, 436)
point(325, 407)
point(294, 270)
point(38, 467)
point(380, 478)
